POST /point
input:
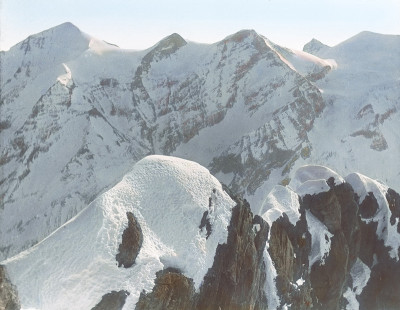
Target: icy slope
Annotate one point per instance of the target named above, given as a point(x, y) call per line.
point(75, 266)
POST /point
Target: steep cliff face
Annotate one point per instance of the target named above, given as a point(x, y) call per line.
point(337, 209)
point(237, 278)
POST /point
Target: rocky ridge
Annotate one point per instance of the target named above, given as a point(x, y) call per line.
point(324, 242)
point(343, 278)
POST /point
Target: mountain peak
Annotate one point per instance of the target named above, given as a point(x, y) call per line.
point(66, 26)
point(173, 41)
point(241, 35)
point(66, 29)
point(55, 38)
point(314, 46)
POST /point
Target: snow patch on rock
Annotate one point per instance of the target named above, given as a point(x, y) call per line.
point(281, 200)
point(360, 274)
point(320, 240)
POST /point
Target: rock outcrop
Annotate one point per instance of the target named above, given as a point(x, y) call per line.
point(132, 239)
point(112, 301)
point(356, 268)
point(236, 279)
point(172, 290)
point(337, 209)
point(381, 291)
point(8, 294)
point(289, 247)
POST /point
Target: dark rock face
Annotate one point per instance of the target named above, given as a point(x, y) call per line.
point(289, 247)
point(171, 291)
point(205, 220)
point(338, 210)
point(112, 301)
point(236, 279)
point(393, 200)
point(132, 239)
point(8, 293)
point(383, 287)
point(369, 206)
point(205, 223)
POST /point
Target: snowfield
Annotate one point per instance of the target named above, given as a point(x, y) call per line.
point(75, 266)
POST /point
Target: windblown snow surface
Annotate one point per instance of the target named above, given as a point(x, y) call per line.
point(75, 266)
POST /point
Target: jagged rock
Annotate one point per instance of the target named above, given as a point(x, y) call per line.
point(328, 280)
point(132, 239)
point(326, 208)
point(205, 223)
point(338, 210)
point(289, 247)
point(112, 301)
point(393, 199)
point(236, 279)
point(8, 293)
point(172, 290)
point(383, 287)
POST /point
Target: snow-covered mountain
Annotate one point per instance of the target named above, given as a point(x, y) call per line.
point(75, 117)
point(168, 236)
point(77, 113)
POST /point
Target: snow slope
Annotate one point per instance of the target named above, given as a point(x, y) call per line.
point(358, 129)
point(77, 113)
point(75, 266)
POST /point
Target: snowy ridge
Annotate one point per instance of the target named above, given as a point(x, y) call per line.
point(281, 200)
point(312, 179)
point(75, 266)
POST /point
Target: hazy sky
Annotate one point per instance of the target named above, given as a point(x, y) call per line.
point(138, 24)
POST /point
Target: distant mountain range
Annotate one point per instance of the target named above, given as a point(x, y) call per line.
point(78, 114)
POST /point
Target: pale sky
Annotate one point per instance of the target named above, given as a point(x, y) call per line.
point(139, 24)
